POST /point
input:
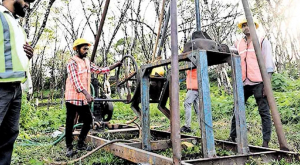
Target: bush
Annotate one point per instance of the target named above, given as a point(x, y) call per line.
point(279, 82)
point(26, 114)
point(289, 106)
point(34, 119)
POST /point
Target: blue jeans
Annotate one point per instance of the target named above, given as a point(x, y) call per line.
point(10, 106)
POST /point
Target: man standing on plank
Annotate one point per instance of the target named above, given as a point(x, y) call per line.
point(77, 93)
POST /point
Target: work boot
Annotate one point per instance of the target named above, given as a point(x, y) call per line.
point(265, 144)
point(70, 152)
point(83, 146)
point(185, 129)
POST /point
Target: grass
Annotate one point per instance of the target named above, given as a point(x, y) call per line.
point(37, 124)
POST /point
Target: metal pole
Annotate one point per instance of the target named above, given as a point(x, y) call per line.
point(198, 20)
point(159, 29)
point(164, 33)
point(174, 87)
point(100, 30)
point(266, 80)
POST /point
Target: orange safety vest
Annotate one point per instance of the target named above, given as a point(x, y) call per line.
point(191, 79)
point(250, 67)
point(84, 76)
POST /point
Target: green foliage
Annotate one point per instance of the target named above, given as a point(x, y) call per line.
point(36, 162)
point(33, 120)
point(182, 85)
point(291, 70)
point(37, 123)
point(282, 162)
point(289, 106)
point(167, 153)
point(287, 97)
point(279, 82)
point(282, 82)
point(26, 114)
point(213, 75)
point(222, 103)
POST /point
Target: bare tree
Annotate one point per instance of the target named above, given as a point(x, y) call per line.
point(273, 14)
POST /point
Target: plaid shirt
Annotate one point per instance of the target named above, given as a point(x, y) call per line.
point(73, 73)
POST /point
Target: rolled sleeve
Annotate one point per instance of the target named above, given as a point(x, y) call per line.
point(268, 57)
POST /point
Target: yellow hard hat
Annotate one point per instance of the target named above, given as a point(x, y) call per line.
point(244, 20)
point(159, 70)
point(80, 41)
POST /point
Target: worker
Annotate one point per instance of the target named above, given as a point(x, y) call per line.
point(252, 79)
point(77, 93)
point(192, 97)
point(15, 54)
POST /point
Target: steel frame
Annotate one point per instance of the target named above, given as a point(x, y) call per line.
point(200, 59)
point(134, 152)
point(139, 152)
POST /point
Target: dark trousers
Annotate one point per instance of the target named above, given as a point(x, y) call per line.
point(85, 115)
point(10, 106)
point(263, 108)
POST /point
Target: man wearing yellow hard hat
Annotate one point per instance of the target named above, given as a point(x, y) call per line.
point(77, 93)
point(252, 80)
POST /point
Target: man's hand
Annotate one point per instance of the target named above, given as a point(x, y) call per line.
point(264, 92)
point(88, 97)
point(28, 50)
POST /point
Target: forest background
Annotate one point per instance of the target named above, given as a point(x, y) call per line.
point(131, 28)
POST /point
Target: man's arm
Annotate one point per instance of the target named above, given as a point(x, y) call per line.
point(268, 57)
point(115, 65)
point(98, 70)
